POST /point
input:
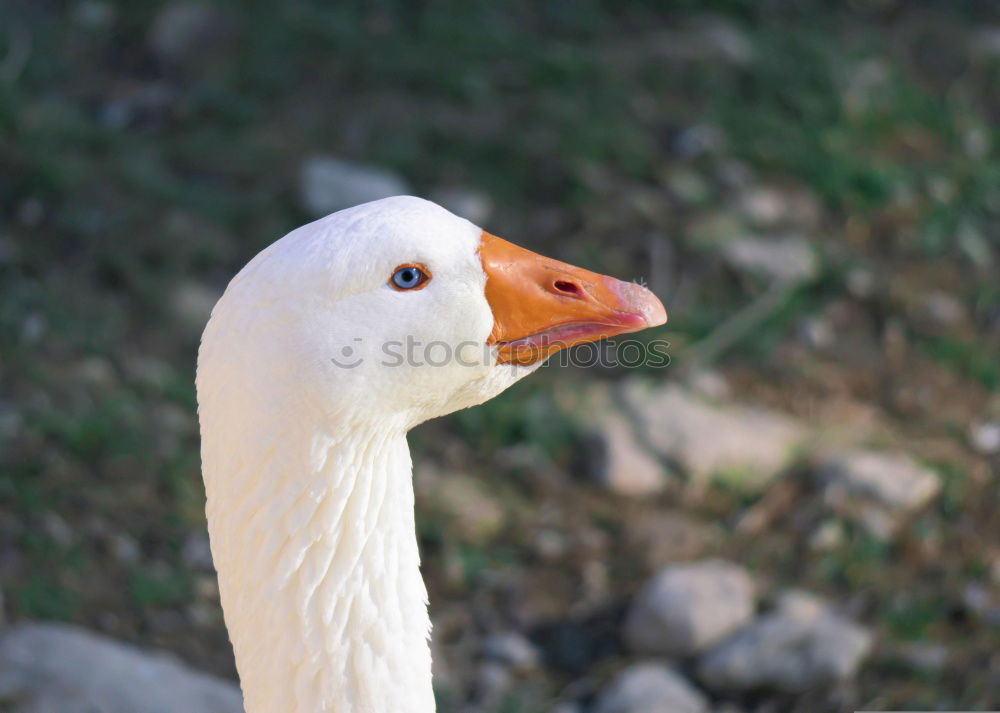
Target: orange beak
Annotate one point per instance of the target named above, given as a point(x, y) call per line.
point(542, 305)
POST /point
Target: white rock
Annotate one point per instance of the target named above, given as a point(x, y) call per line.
point(474, 206)
point(979, 600)
point(746, 446)
point(53, 668)
point(329, 184)
point(511, 649)
point(650, 688)
point(788, 653)
point(788, 260)
point(686, 608)
point(892, 481)
point(944, 309)
point(985, 437)
point(798, 604)
point(617, 462)
point(817, 333)
point(828, 536)
point(763, 206)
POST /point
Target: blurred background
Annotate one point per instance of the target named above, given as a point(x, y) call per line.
point(800, 513)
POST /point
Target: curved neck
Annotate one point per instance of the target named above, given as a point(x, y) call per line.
point(319, 573)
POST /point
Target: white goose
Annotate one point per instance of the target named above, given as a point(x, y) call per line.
point(305, 396)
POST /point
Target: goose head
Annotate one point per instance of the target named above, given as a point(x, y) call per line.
point(324, 350)
point(400, 311)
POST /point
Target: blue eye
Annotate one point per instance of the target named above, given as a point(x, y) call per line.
point(409, 277)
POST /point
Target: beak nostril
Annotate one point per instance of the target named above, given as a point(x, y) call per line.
point(567, 288)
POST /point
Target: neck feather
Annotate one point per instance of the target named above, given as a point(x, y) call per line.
point(319, 573)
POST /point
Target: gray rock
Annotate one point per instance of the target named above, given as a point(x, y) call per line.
point(986, 42)
point(979, 601)
point(921, 656)
point(860, 282)
point(197, 552)
point(192, 304)
point(746, 446)
point(186, 31)
point(468, 203)
point(511, 649)
point(728, 708)
point(94, 15)
point(329, 184)
point(786, 652)
point(493, 680)
point(617, 462)
point(53, 668)
point(788, 260)
point(125, 548)
point(566, 707)
point(698, 140)
point(686, 608)
point(706, 38)
point(650, 688)
point(877, 489)
point(712, 38)
point(11, 420)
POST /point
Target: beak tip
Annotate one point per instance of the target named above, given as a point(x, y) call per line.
point(639, 300)
point(656, 313)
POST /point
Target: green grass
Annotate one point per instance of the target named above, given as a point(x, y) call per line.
point(42, 597)
point(912, 618)
point(521, 415)
point(154, 589)
point(974, 360)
